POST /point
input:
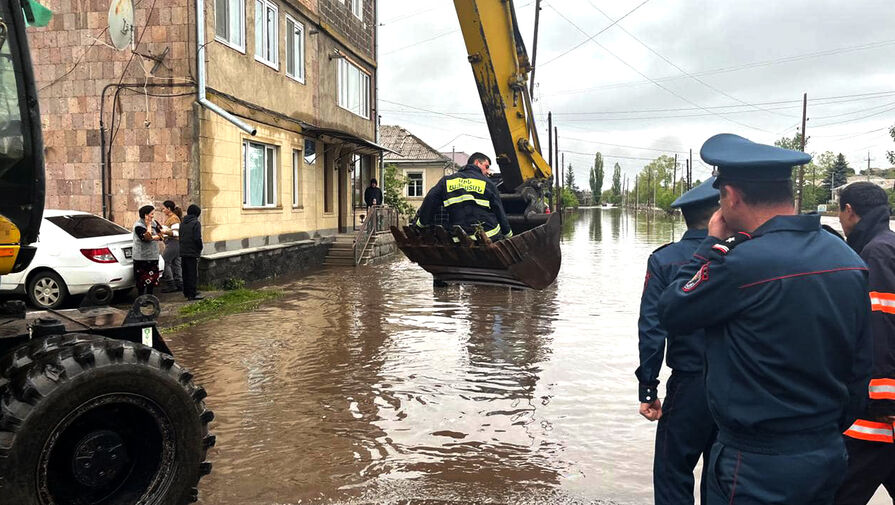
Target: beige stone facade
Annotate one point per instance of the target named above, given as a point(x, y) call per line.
point(308, 89)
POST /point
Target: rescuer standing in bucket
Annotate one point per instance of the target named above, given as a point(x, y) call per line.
point(864, 214)
point(787, 319)
point(686, 430)
point(471, 200)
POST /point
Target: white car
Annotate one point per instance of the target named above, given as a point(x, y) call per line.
point(75, 251)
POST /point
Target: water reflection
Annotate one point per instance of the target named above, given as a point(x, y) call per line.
point(369, 386)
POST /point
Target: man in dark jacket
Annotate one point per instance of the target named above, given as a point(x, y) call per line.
point(471, 200)
point(190, 250)
point(864, 215)
point(373, 195)
point(787, 322)
point(686, 430)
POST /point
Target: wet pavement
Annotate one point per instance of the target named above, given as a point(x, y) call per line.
point(369, 386)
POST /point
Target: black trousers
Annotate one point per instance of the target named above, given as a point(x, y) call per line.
point(190, 268)
point(870, 465)
point(686, 431)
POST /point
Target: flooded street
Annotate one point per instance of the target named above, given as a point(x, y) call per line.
point(369, 386)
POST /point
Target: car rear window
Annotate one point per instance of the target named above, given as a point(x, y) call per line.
point(86, 226)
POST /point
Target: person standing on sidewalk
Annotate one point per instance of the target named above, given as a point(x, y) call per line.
point(171, 233)
point(190, 250)
point(686, 429)
point(864, 214)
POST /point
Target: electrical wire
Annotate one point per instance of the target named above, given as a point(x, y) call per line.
point(592, 37)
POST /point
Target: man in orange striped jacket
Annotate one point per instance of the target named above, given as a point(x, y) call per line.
point(864, 214)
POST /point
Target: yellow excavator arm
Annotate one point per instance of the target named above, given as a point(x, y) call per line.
point(501, 68)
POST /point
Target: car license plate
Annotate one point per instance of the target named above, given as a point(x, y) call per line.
point(128, 251)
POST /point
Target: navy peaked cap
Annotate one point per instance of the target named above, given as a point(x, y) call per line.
point(740, 159)
point(703, 194)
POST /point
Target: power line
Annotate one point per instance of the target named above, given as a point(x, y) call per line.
point(681, 70)
point(785, 59)
point(668, 90)
point(592, 37)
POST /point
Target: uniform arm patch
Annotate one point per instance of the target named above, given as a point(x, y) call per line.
point(702, 275)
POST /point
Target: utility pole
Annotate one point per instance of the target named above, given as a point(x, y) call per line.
point(674, 177)
point(868, 165)
point(802, 167)
point(686, 177)
point(550, 157)
point(534, 49)
point(690, 172)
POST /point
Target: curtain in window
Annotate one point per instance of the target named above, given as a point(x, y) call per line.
point(235, 14)
point(259, 29)
point(254, 175)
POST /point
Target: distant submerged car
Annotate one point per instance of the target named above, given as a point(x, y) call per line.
point(75, 251)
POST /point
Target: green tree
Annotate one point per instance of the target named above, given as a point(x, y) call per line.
point(569, 199)
point(836, 176)
point(794, 143)
point(570, 179)
point(616, 184)
point(393, 191)
point(596, 178)
point(655, 186)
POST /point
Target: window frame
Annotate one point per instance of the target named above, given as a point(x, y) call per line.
point(266, 190)
point(300, 63)
point(342, 68)
point(297, 163)
point(422, 184)
point(242, 34)
point(265, 40)
point(357, 8)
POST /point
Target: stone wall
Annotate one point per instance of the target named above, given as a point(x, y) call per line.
point(359, 33)
point(263, 262)
point(152, 140)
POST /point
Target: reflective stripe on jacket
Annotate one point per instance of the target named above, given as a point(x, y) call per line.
point(470, 199)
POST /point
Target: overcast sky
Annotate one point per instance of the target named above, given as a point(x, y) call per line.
point(662, 80)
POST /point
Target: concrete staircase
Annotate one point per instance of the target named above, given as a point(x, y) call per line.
point(342, 251)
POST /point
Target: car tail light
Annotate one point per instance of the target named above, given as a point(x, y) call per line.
point(101, 255)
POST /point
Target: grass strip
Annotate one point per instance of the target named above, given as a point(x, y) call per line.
point(231, 302)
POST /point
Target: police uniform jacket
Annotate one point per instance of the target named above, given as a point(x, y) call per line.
point(875, 242)
point(788, 349)
point(685, 350)
point(470, 199)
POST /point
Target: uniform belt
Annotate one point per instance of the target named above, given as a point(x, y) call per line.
point(779, 443)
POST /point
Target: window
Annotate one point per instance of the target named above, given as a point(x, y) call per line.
point(295, 50)
point(229, 23)
point(12, 123)
point(87, 226)
point(357, 8)
point(296, 178)
point(415, 184)
point(354, 89)
point(310, 151)
point(260, 175)
point(266, 25)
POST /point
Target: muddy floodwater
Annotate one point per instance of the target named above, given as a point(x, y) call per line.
point(368, 386)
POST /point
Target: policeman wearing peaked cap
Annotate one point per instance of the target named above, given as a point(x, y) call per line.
point(785, 310)
point(686, 430)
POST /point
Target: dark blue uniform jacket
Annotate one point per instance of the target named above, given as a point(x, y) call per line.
point(788, 347)
point(685, 350)
point(470, 199)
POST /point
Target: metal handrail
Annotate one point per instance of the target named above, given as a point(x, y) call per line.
point(380, 218)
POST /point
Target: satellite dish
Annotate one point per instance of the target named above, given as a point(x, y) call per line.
point(121, 23)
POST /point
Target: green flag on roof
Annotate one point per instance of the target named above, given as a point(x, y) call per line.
point(42, 15)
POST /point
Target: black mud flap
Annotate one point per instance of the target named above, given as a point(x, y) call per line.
point(528, 260)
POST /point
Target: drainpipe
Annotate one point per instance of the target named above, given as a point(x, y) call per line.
point(200, 64)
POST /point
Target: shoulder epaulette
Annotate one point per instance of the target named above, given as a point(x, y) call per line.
point(728, 244)
point(662, 247)
point(832, 231)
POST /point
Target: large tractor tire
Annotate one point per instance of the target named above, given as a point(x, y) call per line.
point(86, 420)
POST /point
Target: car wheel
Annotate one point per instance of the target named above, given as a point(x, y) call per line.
point(47, 290)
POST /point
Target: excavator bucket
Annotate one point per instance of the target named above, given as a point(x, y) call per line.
point(528, 260)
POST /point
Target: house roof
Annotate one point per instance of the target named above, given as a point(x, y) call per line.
point(407, 146)
point(458, 157)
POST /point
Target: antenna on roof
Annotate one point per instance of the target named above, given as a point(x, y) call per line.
point(121, 23)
